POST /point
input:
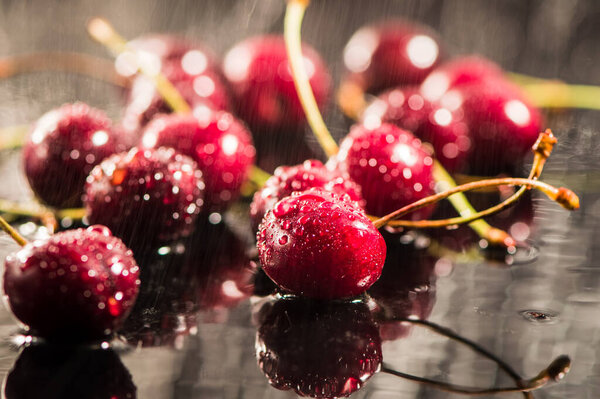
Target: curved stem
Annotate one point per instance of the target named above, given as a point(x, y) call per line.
point(82, 64)
point(565, 197)
point(14, 234)
point(292, 28)
point(103, 32)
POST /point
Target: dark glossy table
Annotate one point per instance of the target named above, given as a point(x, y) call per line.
point(546, 303)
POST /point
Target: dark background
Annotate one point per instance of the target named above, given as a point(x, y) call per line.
point(546, 38)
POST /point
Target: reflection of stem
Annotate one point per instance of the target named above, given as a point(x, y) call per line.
point(292, 27)
point(565, 197)
point(557, 369)
point(14, 234)
point(82, 64)
point(103, 32)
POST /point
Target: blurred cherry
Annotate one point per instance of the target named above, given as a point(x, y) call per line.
point(64, 372)
point(318, 349)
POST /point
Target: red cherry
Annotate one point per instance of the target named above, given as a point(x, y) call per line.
point(320, 245)
point(287, 179)
point(218, 142)
point(62, 149)
point(146, 197)
point(458, 73)
point(391, 54)
point(442, 124)
point(51, 371)
point(260, 76)
point(78, 284)
point(390, 165)
point(317, 349)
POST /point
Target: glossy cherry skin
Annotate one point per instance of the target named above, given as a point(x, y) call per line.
point(393, 53)
point(318, 244)
point(63, 147)
point(458, 73)
point(318, 349)
point(260, 77)
point(76, 285)
point(391, 166)
point(146, 197)
point(52, 372)
point(287, 179)
point(218, 142)
point(441, 124)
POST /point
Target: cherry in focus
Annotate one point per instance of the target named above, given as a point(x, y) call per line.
point(319, 244)
point(391, 166)
point(63, 147)
point(318, 349)
point(146, 197)
point(218, 142)
point(77, 285)
point(261, 80)
point(59, 372)
point(393, 53)
point(287, 179)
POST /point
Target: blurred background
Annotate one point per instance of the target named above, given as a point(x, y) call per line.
point(479, 299)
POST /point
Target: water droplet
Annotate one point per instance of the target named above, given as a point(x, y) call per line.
point(540, 316)
point(283, 239)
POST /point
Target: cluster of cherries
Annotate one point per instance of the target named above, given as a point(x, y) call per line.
point(151, 178)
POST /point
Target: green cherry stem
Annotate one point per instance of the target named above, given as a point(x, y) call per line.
point(14, 234)
point(12, 137)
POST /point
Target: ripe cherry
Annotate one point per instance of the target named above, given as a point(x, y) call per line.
point(318, 349)
point(76, 285)
point(391, 166)
point(287, 179)
point(320, 245)
point(68, 373)
point(261, 80)
point(218, 142)
point(394, 53)
point(62, 149)
point(146, 197)
point(442, 124)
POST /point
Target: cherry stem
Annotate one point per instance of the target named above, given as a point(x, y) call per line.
point(292, 32)
point(13, 137)
point(351, 99)
point(104, 33)
point(557, 369)
point(14, 234)
point(565, 197)
point(82, 64)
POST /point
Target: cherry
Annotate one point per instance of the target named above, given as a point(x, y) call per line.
point(260, 77)
point(76, 285)
point(390, 165)
point(320, 245)
point(391, 54)
point(62, 149)
point(218, 142)
point(146, 196)
point(171, 48)
point(48, 371)
point(287, 179)
point(442, 124)
point(318, 349)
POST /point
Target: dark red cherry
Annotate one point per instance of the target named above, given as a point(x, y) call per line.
point(287, 179)
point(503, 124)
point(63, 147)
point(394, 53)
point(460, 72)
point(391, 166)
point(146, 197)
point(440, 123)
point(49, 371)
point(76, 285)
point(320, 245)
point(218, 142)
point(318, 349)
point(260, 77)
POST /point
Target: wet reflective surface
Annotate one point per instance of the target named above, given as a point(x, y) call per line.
point(194, 331)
